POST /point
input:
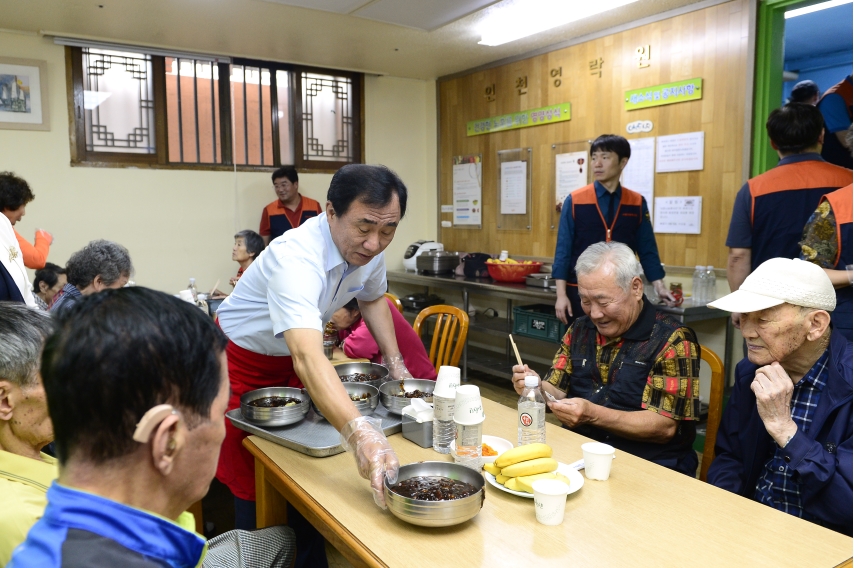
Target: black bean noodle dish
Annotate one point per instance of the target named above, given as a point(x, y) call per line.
point(433, 488)
point(274, 402)
point(359, 377)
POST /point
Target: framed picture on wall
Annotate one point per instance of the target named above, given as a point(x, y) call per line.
point(23, 94)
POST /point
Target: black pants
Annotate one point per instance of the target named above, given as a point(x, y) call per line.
point(311, 546)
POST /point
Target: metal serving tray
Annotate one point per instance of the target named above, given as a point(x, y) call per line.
point(312, 436)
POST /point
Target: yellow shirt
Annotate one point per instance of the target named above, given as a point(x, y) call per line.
point(23, 485)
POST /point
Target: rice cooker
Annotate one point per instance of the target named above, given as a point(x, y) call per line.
point(417, 248)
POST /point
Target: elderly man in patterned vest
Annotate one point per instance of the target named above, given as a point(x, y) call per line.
point(625, 374)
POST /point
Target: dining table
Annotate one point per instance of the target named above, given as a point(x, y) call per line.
point(643, 515)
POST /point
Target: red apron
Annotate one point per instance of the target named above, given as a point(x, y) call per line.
point(248, 371)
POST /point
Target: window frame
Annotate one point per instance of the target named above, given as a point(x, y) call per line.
point(80, 156)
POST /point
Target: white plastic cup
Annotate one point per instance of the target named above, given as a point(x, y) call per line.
point(550, 500)
point(447, 381)
point(597, 460)
point(187, 296)
point(468, 406)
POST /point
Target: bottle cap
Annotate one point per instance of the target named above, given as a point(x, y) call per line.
point(710, 268)
point(531, 381)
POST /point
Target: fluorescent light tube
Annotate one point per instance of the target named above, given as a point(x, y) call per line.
point(816, 8)
point(512, 20)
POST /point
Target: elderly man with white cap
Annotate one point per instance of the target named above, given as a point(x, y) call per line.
point(785, 436)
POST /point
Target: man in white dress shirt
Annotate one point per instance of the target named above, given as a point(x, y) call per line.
point(275, 318)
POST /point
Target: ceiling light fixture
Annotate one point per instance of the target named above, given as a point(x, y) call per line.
point(816, 8)
point(515, 19)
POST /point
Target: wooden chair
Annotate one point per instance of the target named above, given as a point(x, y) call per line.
point(394, 300)
point(716, 403)
point(449, 336)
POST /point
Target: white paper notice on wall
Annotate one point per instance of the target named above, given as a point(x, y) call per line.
point(447, 208)
point(680, 152)
point(468, 202)
point(514, 188)
point(570, 174)
point(639, 174)
point(678, 215)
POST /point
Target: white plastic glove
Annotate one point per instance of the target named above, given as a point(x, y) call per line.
point(375, 459)
point(396, 368)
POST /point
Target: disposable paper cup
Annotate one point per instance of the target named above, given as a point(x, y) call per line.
point(447, 381)
point(468, 407)
point(550, 500)
point(597, 460)
point(186, 295)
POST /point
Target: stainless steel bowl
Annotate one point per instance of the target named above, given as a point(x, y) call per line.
point(281, 416)
point(436, 513)
point(367, 368)
point(367, 406)
point(396, 404)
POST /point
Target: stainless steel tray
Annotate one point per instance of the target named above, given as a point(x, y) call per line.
point(312, 436)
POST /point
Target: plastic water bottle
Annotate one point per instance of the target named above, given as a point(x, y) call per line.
point(444, 428)
point(697, 285)
point(192, 289)
point(532, 413)
point(468, 426)
point(469, 440)
point(711, 285)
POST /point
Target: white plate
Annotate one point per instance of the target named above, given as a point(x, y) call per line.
point(500, 445)
point(576, 481)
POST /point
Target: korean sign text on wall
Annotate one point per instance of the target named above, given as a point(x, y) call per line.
point(524, 119)
point(666, 94)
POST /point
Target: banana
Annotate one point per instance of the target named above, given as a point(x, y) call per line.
point(530, 467)
point(523, 453)
point(526, 483)
point(502, 479)
point(492, 468)
point(511, 484)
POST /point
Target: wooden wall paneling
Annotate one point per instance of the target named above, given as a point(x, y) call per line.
point(710, 43)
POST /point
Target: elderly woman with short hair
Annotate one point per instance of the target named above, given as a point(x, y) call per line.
point(100, 265)
point(47, 284)
point(25, 426)
point(247, 246)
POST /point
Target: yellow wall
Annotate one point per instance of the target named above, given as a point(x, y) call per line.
point(180, 223)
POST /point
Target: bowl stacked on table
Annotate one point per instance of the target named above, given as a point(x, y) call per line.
point(436, 513)
point(511, 270)
point(364, 405)
point(395, 404)
point(278, 415)
point(364, 368)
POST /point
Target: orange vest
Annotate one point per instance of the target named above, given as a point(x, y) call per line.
point(782, 200)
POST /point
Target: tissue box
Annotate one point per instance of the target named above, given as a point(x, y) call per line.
point(419, 432)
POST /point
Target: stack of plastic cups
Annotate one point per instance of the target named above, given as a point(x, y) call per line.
point(443, 408)
point(468, 419)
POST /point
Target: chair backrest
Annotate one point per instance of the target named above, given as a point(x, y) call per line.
point(449, 335)
point(394, 300)
point(716, 402)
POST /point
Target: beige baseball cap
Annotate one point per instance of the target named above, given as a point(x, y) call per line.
point(781, 280)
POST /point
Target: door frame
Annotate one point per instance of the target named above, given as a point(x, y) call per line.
point(768, 83)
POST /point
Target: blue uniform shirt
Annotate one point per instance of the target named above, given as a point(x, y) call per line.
point(740, 228)
point(647, 249)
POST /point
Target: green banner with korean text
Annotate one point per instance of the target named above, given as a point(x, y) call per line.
point(667, 94)
point(524, 119)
